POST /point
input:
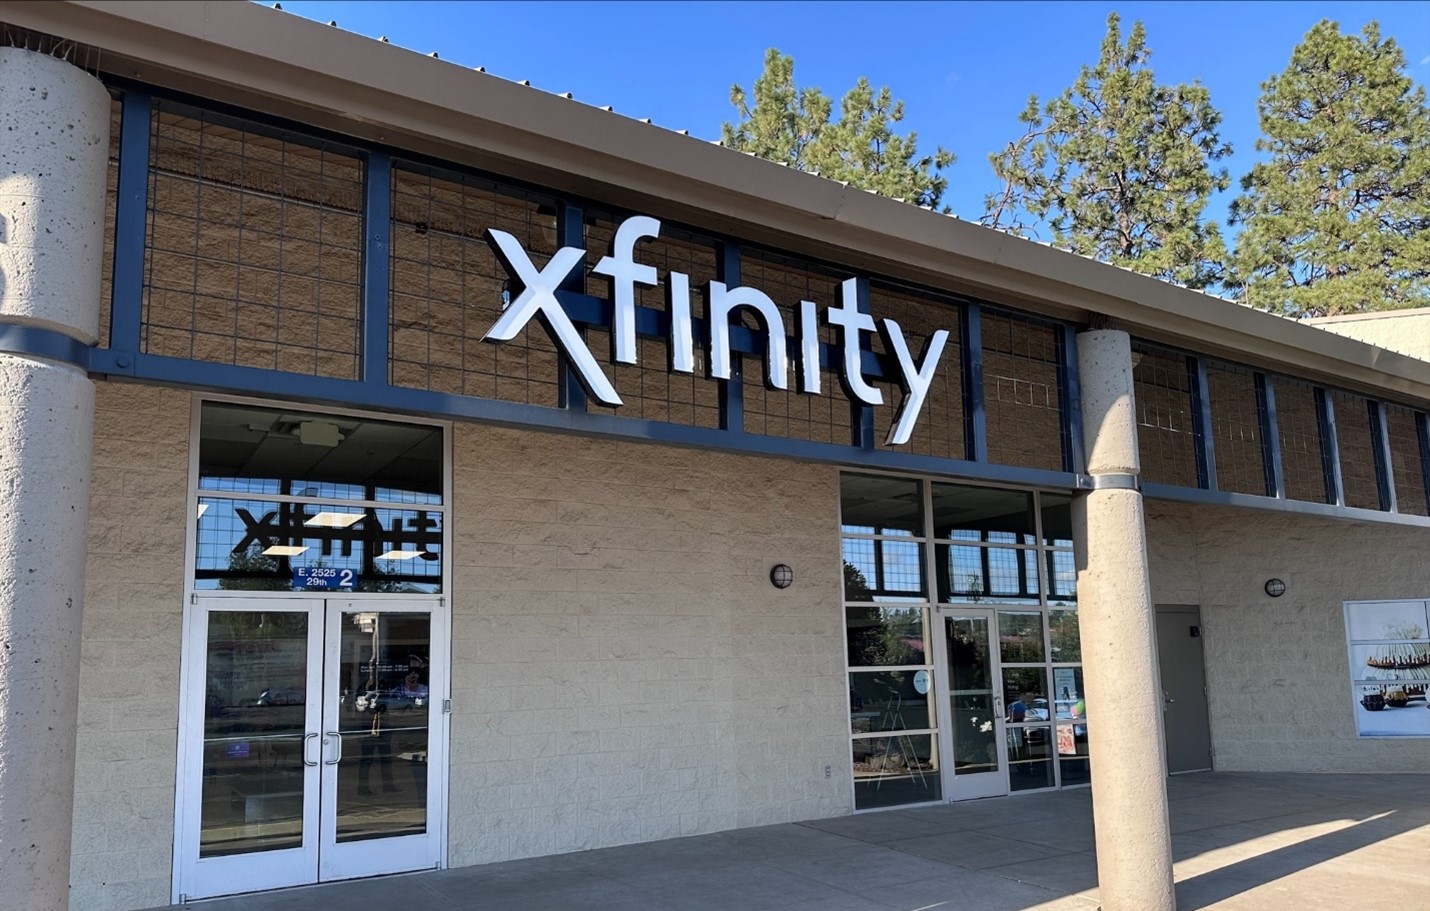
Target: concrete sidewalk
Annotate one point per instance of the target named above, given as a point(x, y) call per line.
point(1243, 842)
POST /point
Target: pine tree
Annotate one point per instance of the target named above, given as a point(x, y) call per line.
point(1119, 167)
point(1337, 220)
point(793, 125)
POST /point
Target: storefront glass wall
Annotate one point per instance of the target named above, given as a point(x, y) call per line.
point(913, 553)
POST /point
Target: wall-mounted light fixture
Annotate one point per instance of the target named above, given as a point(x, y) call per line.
point(781, 576)
point(1275, 588)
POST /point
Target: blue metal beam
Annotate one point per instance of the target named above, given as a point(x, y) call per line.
point(1270, 436)
point(1330, 448)
point(1202, 423)
point(34, 341)
point(1422, 433)
point(732, 391)
point(571, 232)
point(131, 213)
point(376, 276)
point(421, 402)
point(861, 416)
point(1070, 400)
point(1380, 446)
point(975, 424)
point(1297, 507)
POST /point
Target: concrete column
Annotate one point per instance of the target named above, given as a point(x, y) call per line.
point(1129, 770)
point(54, 141)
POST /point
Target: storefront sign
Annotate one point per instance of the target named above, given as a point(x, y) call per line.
point(537, 298)
point(921, 682)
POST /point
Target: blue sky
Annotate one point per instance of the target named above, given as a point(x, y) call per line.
point(965, 70)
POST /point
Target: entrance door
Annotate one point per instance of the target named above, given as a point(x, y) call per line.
point(973, 729)
point(307, 738)
point(1184, 688)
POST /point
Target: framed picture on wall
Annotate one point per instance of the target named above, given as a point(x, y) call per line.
point(1388, 644)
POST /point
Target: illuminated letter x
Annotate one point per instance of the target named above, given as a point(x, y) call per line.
point(538, 298)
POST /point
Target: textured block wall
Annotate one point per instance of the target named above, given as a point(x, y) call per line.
point(1277, 670)
point(129, 662)
point(623, 669)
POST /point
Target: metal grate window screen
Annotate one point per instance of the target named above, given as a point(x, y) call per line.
point(1298, 425)
point(1236, 430)
point(1407, 467)
point(1020, 393)
point(823, 418)
point(939, 431)
point(255, 248)
point(448, 289)
point(648, 389)
point(1166, 433)
point(1358, 473)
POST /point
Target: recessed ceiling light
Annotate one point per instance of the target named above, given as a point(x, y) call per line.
point(334, 519)
point(400, 555)
point(284, 550)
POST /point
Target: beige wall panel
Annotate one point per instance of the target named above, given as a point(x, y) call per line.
point(1277, 673)
point(623, 670)
point(129, 662)
point(1406, 331)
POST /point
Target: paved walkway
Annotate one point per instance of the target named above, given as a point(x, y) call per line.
point(1243, 842)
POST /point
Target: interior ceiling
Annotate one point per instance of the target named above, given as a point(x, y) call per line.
point(246, 441)
point(874, 501)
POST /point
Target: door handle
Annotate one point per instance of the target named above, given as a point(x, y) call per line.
point(1166, 700)
point(339, 739)
point(306, 760)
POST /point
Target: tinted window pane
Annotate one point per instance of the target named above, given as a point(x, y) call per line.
point(889, 701)
point(882, 634)
point(274, 450)
point(1057, 519)
point(1020, 636)
point(1062, 577)
point(889, 771)
point(999, 574)
point(880, 506)
point(260, 545)
point(879, 570)
point(1063, 631)
point(981, 513)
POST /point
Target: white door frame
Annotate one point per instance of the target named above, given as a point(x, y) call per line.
point(319, 858)
point(981, 784)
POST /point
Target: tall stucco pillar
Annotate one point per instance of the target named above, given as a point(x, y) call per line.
point(54, 141)
point(1129, 770)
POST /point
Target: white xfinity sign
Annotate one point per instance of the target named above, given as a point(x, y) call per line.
point(537, 297)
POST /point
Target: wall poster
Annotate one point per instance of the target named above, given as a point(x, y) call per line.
point(1389, 645)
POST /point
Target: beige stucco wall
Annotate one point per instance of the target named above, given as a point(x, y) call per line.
point(129, 662)
point(1406, 331)
point(623, 670)
point(1277, 669)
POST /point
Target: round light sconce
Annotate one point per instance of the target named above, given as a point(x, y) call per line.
point(781, 576)
point(1275, 588)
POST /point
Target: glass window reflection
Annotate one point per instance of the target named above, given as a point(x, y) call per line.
point(885, 635)
point(890, 701)
point(262, 545)
point(982, 513)
point(972, 574)
point(269, 449)
point(871, 505)
point(879, 570)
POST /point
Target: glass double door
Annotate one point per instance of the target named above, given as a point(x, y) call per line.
point(312, 743)
point(998, 735)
